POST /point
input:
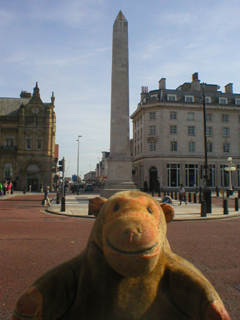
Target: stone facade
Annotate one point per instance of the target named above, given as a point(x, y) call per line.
point(168, 135)
point(27, 141)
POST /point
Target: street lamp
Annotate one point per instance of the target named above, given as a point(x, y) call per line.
point(206, 189)
point(78, 164)
point(231, 167)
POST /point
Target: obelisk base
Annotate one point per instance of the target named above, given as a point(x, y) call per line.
point(120, 173)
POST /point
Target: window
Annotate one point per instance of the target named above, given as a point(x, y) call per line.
point(39, 143)
point(173, 129)
point(152, 130)
point(152, 115)
point(225, 132)
point(237, 102)
point(8, 171)
point(207, 99)
point(152, 146)
point(9, 142)
point(171, 97)
point(140, 133)
point(209, 146)
point(191, 146)
point(191, 131)
point(191, 171)
point(209, 131)
point(189, 99)
point(224, 117)
point(226, 147)
point(173, 146)
point(141, 120)
point(28, 143)
point(223, 101)
point(208, 117)
point(191, 116)
point(173, 175)
point(173, 115)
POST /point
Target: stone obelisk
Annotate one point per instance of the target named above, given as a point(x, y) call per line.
point(119, 161)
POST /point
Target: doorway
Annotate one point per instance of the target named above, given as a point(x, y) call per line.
point(153, 177)
point(33, 182)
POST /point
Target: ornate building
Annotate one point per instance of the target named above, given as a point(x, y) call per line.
point(168, 135)
point(27, 141)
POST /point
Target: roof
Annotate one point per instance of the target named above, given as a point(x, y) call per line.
point(10, 106)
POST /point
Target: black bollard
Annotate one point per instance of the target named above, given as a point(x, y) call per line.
point(195, 198)
point(236, 204)
point(225, 207)
point(12, 190)
point(189, 197)
point(24, 190)
point(238, 193)
point(164, 192)
point(58, 198)
point(167, 192)
point(200, 198)
point(217, 192)
point(63, 204)
point(203, 209)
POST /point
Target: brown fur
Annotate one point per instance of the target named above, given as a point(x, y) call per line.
point(127, 271)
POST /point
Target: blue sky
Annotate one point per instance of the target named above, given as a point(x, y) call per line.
point(66, 47)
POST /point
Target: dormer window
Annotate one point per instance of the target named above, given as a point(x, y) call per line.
point(223, 101)
point(189, 98)
point(171, 97)
point(208, 100)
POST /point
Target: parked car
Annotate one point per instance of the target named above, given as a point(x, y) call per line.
point(89, 187)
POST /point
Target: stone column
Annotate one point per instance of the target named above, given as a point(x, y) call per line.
point(119, 162)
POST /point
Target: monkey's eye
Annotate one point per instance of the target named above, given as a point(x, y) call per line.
point(116, 207)
point(149, 210)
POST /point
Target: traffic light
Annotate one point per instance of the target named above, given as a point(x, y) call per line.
point(61, 165)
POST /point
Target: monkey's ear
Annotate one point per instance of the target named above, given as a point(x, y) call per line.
point(168, 211)
point(95, 205)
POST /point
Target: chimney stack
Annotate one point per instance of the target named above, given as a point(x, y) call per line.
point(229, 88)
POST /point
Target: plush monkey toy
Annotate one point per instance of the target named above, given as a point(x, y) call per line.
point(126, 272)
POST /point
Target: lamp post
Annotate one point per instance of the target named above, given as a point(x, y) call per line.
point(206, 190)
point(78, 164)
point(231, 167)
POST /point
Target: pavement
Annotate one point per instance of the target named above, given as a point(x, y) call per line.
point(77, 206)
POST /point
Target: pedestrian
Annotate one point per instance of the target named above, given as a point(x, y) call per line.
point(1, 189)
point(182, 194)
point(5, 186)
point(46, 197)
point(9, 187)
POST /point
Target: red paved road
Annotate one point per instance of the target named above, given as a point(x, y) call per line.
point(31, 242)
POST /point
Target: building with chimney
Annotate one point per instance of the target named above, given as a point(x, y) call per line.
point(168, 135)
point(27, 141)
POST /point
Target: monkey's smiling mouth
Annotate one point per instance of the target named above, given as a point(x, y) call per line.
point(132, 252)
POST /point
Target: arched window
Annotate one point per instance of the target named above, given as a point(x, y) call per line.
point(8, 171)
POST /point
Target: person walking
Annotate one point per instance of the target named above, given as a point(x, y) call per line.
point(5, 186)
point(9, 187)
point(1, 189)
point(46, 197)
point(182, 194)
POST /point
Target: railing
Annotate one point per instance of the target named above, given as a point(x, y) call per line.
point(8, 148)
